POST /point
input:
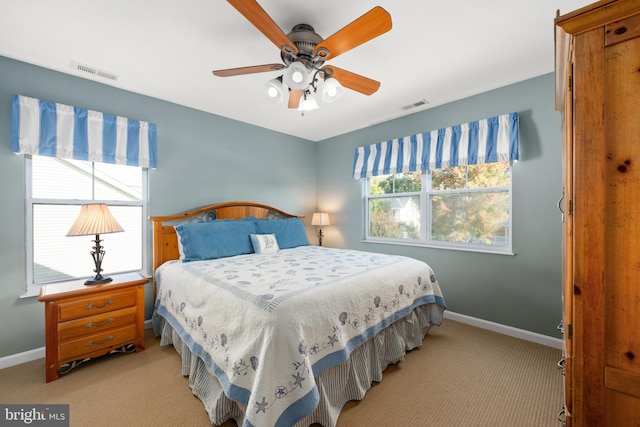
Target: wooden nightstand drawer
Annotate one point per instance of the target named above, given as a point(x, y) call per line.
point(113, 338)
point(106, 302)
point(98, 323)
point(83, 322)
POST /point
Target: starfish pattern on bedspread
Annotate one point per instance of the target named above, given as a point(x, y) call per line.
point(337, 292)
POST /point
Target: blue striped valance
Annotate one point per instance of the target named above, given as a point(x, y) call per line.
point(57, 130)
point(483, 141)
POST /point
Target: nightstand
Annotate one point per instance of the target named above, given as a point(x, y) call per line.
point(83, 322)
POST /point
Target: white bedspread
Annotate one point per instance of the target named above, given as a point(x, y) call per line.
point(268, 323)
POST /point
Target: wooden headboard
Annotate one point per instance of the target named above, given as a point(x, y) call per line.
point(165, 241)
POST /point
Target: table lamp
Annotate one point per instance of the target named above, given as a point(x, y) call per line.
point(95, 219)
point(320, 218)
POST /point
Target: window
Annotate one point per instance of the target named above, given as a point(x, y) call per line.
point(56, 189)
point(394, 206)
point(462, 207)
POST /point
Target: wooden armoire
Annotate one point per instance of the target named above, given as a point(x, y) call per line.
point(598, 92)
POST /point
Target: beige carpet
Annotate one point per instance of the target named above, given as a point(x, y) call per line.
point(462, 376)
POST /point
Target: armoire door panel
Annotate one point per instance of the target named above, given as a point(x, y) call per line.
point(623, 382)
point(622, 176)
point(602, 163)
point(588, 226)
point(622, 410)
point(623, 30)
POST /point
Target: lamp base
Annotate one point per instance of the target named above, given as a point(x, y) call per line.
point(98, 280)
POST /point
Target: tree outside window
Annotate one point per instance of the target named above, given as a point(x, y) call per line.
point(464, 207)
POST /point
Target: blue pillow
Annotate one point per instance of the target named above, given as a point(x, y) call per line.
point(289, 231)
point(215, 239)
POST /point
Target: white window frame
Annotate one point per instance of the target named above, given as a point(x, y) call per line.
point(33, 289)
point(425, 218)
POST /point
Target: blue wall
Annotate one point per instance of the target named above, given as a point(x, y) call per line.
point(205, 158)
point(522, 291)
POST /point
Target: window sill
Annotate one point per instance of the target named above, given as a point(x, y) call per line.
point(30, 293)
point(34, 291)
point(446, 247)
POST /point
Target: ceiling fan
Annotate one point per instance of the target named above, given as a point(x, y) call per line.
point(304, 53)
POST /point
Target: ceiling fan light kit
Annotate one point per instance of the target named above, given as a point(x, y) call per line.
point(275, 90)
point(304, 53)
point(332, 90)
point(296, 76)
point(308, 102)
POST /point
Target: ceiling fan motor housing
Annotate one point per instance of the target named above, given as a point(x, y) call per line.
point(306, 39)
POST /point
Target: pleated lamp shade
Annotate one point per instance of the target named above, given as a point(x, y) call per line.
point(94, 219)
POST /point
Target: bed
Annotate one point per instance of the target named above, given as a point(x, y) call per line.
point(273, 331)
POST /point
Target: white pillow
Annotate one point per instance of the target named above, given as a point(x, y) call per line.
point(180, 247)
point(264, 243)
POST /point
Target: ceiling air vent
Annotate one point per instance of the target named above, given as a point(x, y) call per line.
point(94, 71)
point(415, 104)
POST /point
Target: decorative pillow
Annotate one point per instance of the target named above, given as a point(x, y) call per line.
point(215, 239)
point(180, 248)
point(264, 243)
point(289, 232)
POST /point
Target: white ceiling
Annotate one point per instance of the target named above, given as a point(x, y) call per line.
point(437, 51)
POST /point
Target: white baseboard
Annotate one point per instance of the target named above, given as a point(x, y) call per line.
point(24, 357)
point(505, 330)
point(38, 353)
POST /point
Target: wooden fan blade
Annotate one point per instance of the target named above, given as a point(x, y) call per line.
point(354, 81)
point(255, 14)
point(294, 98)
point(247, 70)
point(370, 25)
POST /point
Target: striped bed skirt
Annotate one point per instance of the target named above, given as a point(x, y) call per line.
point(337, 385)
